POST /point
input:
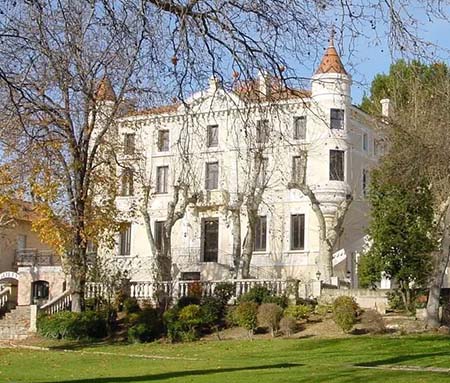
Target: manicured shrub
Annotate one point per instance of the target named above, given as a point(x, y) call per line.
point(246, 314)
point(256, 294)
point(130, 305)
point(146, 326)
point(298, 312)
point(373, 322)
point(230, 316)
point(69, 325)
point(224, 291)
point(269, 315)
point(323, 309)
point(281, 300)
point(212, 311)
point(345, 312)
point(395, 300)
point(174, 326)
point(188, 300)
point(183, 324)
point(288, 325)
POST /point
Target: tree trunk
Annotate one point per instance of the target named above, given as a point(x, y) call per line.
point(236, 233)
point(441, 261)
point(248, 244)
point(165, 255)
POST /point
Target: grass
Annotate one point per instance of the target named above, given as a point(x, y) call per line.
point(357, 359)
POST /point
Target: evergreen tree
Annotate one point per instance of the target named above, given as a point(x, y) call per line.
point(402, 233)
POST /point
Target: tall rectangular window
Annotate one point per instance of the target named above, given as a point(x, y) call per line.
point(162, 179)
point(337, 118)
point(163, 140)
point(213, 136)
point(298, 169)
point(300, 128)
point(261, 234)
point(365, 181)
point(125, 239)
point(129, 143)
point(159, 234)
point(297, 232)
point(365, 142)
point(262, 131)
point(337, 165)
point(212, 176)
point(127, 188)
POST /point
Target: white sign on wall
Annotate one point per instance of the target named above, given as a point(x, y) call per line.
point(9, 275)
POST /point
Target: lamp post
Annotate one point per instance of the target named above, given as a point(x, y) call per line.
point(318, 274)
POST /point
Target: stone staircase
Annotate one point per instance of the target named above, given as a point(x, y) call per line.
point(15, 324)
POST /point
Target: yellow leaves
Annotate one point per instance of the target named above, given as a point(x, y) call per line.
point(50, 228)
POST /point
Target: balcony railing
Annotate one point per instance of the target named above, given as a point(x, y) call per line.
point(34, 257)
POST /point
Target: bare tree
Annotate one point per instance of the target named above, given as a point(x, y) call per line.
point(53, 55)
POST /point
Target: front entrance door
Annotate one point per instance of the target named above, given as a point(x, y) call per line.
point(210, 239)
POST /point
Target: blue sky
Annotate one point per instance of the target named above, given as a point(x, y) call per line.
point(367, 59)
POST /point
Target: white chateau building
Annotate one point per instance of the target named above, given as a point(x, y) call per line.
point(260, 141)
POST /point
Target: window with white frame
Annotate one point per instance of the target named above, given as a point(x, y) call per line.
point(129, 144)
point(212, 136)
point(297, 232)
point(299, 128)
point(337, 172)
point(163, 140)
point(159, 234)
point(162, 179)
point(260, 243)
point(262, 131)
point(365, 142)
point(365, 182)
point(125, 239)
point(127, 187)
point(337, 118)
point(212, 176)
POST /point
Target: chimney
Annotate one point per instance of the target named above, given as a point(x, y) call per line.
point(213, 84)
point(263, 83)
point(385, 107)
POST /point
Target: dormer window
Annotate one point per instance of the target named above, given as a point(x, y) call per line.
point(337, 119)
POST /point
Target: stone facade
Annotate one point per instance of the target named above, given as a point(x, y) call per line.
point(337, 134)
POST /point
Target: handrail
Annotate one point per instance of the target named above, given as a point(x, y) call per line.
point(62, 302)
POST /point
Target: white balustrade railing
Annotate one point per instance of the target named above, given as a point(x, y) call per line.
point(147, 290)
point(5, 295)
point(62, 302)
point(95, 290)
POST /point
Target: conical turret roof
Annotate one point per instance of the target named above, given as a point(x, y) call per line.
point(331, 62)
point(105, 91)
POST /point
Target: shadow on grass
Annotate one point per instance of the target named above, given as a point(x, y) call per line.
point(400, 359)
point(178, 374)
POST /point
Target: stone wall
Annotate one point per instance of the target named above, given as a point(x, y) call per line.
point(366, 299)
point(51, 274)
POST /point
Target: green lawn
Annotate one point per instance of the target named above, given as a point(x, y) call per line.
point(357, 359)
